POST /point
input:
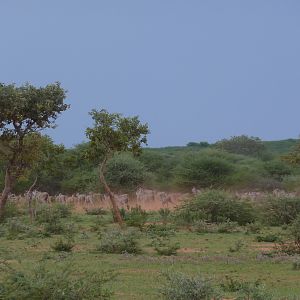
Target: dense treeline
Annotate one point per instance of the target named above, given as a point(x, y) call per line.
point(239, 163)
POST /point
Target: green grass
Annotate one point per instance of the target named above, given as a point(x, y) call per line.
point(139, 276)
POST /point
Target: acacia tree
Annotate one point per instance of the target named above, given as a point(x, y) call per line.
point(24, 112)
point(112, 133)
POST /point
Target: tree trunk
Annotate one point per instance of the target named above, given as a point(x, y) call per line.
point(116, 210)
point(5, 193)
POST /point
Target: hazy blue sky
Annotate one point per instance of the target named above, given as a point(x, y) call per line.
point(194, 70)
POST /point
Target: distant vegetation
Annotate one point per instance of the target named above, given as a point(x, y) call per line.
point(199, 165)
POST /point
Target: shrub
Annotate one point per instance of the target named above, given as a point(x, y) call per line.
point(253, 291)
point(161, 230)
point(296, 264)
point(164, 214)
point(228, 227)
point(119, 241)
point(238, 245)
point(253, 228)
point(11, 210)
point(63, 245)
point(215, 207)
point(277, 169)
point(136, 217)
point(97, 211)
point(203, 170)
point(16, 229)
point(60, 284)
point(183, 287)
point(125, 173)
point(281, 210)
point(163, 246)
point(243, 144)
point(268, 238)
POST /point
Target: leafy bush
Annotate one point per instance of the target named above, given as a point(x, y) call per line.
point(164, 214)
point(203, 170)
point(163, 246)
point(96, 211)
point(65, 245)
point(215, 207)
point(161, 230)
point(243, 144)
point(281, 210)
point(277, 169)
point(296, 264)
point(183, 287)
point(268, 238)
point(136, 217)
point(60, 284)
point(238, 245)
point(253, 228)
point(11, 210)
point(228, 227)
point(16, 229)
point(253, 291)
point(119, 241)
point(125, 173)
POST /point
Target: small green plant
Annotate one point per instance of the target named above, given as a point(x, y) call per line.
point(118, 241)
point(161, 230)
point(15, 229)
point(60, 284)
point(96, 211)
point(64, 245)
point(268, 238)
point(180, 286)
point(163, 246)
point(296, 264)
point(253, 228)
point(164, 214)
point(253, 291)
point(228, 227)
point(238, 245)
point(136, 217)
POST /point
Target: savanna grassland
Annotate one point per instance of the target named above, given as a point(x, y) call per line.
point(227, 251)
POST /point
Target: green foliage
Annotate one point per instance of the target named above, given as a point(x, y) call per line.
point(281, 210)
point(119, 241)
point(215, 207)
point(179, 286)
point(164, 246)
point(95, 211)
point(268, 238)
point(64, 245)
point(296, 264)
point(136, 217)
point(114, 133)
point(51, 217)
point(277, 169)
point(60, 284)
point(202, 170)
point(125, 173)
point(237, 247)
point(159, 230)
point(253, 291)
point(251, 146)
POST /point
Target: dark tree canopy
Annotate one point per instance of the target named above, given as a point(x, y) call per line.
point(245, 145)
